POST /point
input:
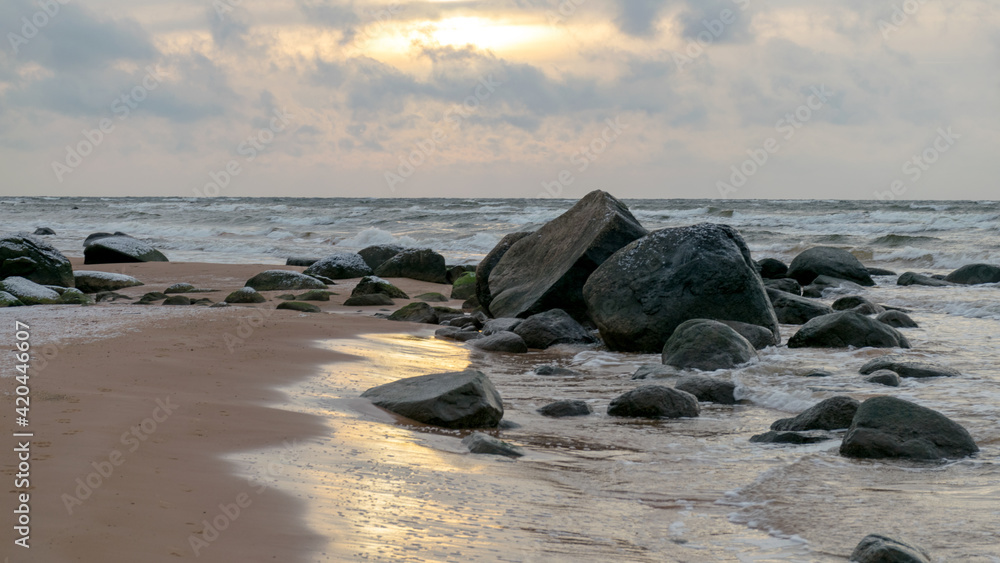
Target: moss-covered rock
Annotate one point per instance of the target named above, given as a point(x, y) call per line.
point(431, 298)
point(464, 287)
point(29, 292)
point(374, 299)
point(8, 300)
point(315, 295)
point(245, 295)
point(374, 284)
point(299, 306)
point(73, 296)
point(419, 312)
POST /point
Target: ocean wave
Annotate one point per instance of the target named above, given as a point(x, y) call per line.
point(372, 236)
point(902, 240)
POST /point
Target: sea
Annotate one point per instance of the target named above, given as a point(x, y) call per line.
point(595, 488)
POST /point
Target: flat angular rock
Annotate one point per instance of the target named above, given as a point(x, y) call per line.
point(377, 255)
point(846, 328)
point(975, 274)
point(792, 437)
point(828, 261)
point(708, 389)
point(896, 319)
point(96, 282)
point(912, 278)
point(655, 401)
point(550, 328)
point(298, 306)
point(887, 427)
point(276, 280)
point(907, 368)
point(465, 399)
point(560, 409)
point(374, 284)
point(706, 345)
point(245, 295)
point(29, 292)
point(884, 377)
point(416, 264)
point(875, 548)
point(794, 310)
point(371, 300)
point(548, 268)
point(339, 266)
point(489, 262)
point(479, 443)
point(33, 259)
point(418, 312)
point(501, 342)
point(830, 414)
point(120, 249)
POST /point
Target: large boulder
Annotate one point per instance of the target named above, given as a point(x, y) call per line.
point(794, 310)
point(875, 548)
point(95, 282)
point(912, 278)
point(340, 266)
point(551, 328)
point(830, 414)
point(370, 285)
point(416, 264)
point(772, 268)
point(655, 401)
point(485, 267)
point(847, 328)
point(907, 368)
point(272, 280)
point(418, 312)
point(548, 268)
point(708, 389)
point(887, 427)
point(974, 274)
point(639, 296)
point(464, 399)
point(828, 261)
point(120, 249)
point(377, 255)
point(706, 345)
point(29, 292)
point(30, 257)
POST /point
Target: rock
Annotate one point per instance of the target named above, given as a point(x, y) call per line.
point(708, 389)
point(315, 295)
point(97, 236)
point(911, 278)
point(881, 549)
point(453, 273)
point(489, 262)
point(503, 324)
point(340, 266)
point(554, 370)
point(879, 271)
point(772, 269)
point(301, 261)
point(654, 371)
point(202, 301)
point(639, 296)
point(33, 259)
point(788, 285)
point(299, 306)
point(377, 255)
point(830, 414)
point(431, 298)
point(218, 305)
point(884, 377)
point(43, 231)
point(907, 368)
point(29, 292)
point(548, 268)
point(272, 280)
point(177, 300)
point(73, 296)
point(806, 437)
point(974, 274)
point(823, 283)
point(794, 310)
point(464, 287)
point(179, 288)
point(374, 284)
point(479, 443)
point(846, 328)
point(416, 264)
point(120, 249)
point(96, 282)
point(245, 295)
point(560, 409)
point(501, 342)
point(465, 399)
point(447, 314)
point(151, 297)
point(371, 300)
point(8, 300)
point(887, 427)
point(828, 261)
point(418, 312)
point(655, 401)
point(464, 322)
point(455, 333)
point(896, 319)
point(857, 304)
point(471, 304)
point(818, 373)
point(550, 328)
point(706, 345)
point(758, 336)
point(110, 296)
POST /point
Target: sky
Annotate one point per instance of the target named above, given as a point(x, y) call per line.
point(803, 99)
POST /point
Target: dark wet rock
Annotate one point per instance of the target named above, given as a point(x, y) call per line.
point(907, 368)
point(560, 409)
point(706, 345)
point(370, 300)
point(847, 328)
point(377, 255)
point(640, 295)
point(315, 295)
point(974, 274)
point(416, 264)
point(554, 370)
point(464, 399)
point(794, 310)
point(418, 312)
point(73, 296)
point(298, 306)
point(471, 304)
point(456, 333)
point(550, 328)
point(103, 296)
point(469, 322)
point(120, 249)
point(464, 287)
point(285, 296)
point(828, 261)
point(29, 292)
point(97, 236)
point(758, 336)
point(503, 324)
point(824, 283)
point(152, 297)
point(374, 284)
point(8, 300)
point(447, 314)
point(548, 268)
point(708, 389)
point(340, 266)
point(245, 295)
point(31, 258)
point(818, 373)
point(911, 278)
point(455, 272)
point(787, 285)
point(479, 443)
point(772, 269)
point(875, 548)
point(792, 437)
point(896, 319)
point(830, 414)
point(180, 288)
point(96, 282)
point(177, 300)
point(655, 401)
point(489, 262)
point(431, 298)
point(273, 280)
point(887, 427)
point(501, 342)
point(43, 231)
point(884, 377)
point(879, 271)
point(858, 304)
point(301, 261)
point(654, 371)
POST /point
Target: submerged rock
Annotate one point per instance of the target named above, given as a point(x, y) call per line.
point(177, 300)
point(875, 548)
point(830, 414)
point(907, 368)
point(896, 319)
point(479, 443)
point(887, 427)
point(550, 328)
point(273, 280)
point(431, 298)
point(828, 261)
point(706, 345)
point(416, 264)
point(96, 282)
point(315, 295)
point(824, 283)
point(43, 231)
point(29, 257)
point(465, 399)
point(554, 370)
point(911, 278)
point(792, 437)
point(120, 249)
point(485, 267)
point(339, 266)
point(655, 401)
point(846, 328)
point(654, 371)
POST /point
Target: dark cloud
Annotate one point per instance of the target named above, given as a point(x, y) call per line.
point(710, 20)
point(639, 17)
point(229, 25)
